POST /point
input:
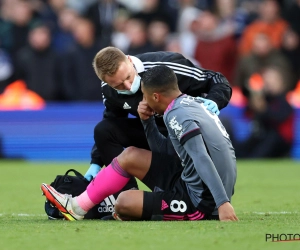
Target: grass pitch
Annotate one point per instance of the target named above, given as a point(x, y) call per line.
point(267, 201)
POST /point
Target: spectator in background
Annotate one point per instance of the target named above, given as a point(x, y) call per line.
point(80, 6)
point(133, 6)
point(6, 70)
point(292, 15)
point(119, 37)
point(79, 79)
point(136, 31)
point(49, 13)
point(291, 49)
point(262, 55)
point(215, 50)
point(174, 45)
point(37, 64)
point(272, 125)
point(7, 7)
point(63, 39)
point(234, 16)
point(187, 15)
point(269, 20)
point(153, 9)
point(14, 30)
point(158, 32)
point(251, 7)
point(102, 14)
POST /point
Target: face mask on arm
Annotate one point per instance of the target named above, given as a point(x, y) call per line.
point(134, 87)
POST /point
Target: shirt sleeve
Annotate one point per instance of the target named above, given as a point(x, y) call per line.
point(191, 129)
point(195, 147)
point(157, 142)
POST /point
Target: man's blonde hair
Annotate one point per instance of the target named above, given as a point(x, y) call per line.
point(107, 61)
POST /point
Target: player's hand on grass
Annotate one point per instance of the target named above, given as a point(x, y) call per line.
point(210, 105)
point(226, 212)
point(145, 112)
point(92, 172)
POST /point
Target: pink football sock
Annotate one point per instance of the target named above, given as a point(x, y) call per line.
point(84, 202)
point(108, 181)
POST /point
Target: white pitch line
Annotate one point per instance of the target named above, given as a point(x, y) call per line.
point(28, 215)
point(23, 215)
point(280, 212)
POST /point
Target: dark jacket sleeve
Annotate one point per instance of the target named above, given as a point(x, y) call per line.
point(195, 81)
point(192, 80)
point(219, 89)
point(112, 111)
point(96, 158)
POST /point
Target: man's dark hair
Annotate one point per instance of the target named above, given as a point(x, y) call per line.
point(160, 79)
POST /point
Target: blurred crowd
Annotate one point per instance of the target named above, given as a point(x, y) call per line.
point(47, 48)
point(50, 44)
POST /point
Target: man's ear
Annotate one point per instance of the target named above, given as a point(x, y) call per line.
point(156, 97)
point(129, 58)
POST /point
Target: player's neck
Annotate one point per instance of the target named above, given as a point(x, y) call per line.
point(181, 94)
point(172, 97)
point(175, 95)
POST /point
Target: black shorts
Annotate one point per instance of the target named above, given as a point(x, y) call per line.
point(169, 199)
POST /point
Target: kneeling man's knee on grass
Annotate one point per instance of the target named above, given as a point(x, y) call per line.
point(130, 203)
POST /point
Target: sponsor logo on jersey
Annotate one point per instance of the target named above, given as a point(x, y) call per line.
point(126, 106)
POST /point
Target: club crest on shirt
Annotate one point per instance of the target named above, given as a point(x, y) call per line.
point(173, 123)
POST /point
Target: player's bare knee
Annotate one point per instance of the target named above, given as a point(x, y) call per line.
point(122, 206)
point(127, 157)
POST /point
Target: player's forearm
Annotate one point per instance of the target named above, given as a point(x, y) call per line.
point(157, 142)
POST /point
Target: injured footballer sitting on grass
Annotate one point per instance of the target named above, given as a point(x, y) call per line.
point(191, 173)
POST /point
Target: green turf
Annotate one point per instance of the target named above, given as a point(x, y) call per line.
point(264, 190)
